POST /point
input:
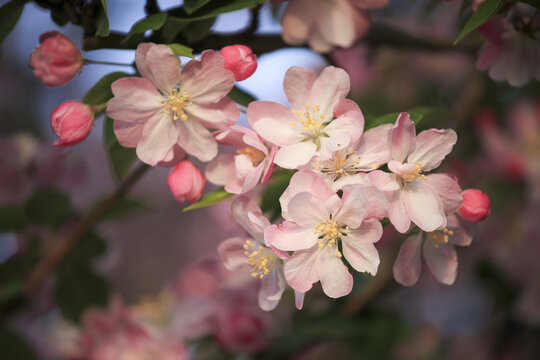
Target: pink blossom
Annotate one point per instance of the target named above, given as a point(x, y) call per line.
point(265, 262)
point(317, 221)
point(509, 55)
point(476, 205)
point(321, 120)
point(438, 250)
point(413, 196)
point(168, 108)
point(241, 330)
point(325, 24)
point(240, 60)
point(186, 182)
point(252, 163)
point(57, 59)
point(72, 121)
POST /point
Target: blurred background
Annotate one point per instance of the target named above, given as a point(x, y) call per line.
point(156, 252)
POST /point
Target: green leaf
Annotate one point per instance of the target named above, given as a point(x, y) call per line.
point(182, 50)
point(9, 17)
point(484, 12)
point(240, 96)
point(197, 30)
point(209, 199)
point(13, 347)
point(101, 92)
point(191, 5)
point(215, 8)
point(425, 114)
point(12, 218)
point(120, 158)
point(48, 207)
point(77, 289)
point(103, 21)
point(88, 248)
point(152, 22)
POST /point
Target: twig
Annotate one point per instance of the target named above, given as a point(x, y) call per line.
point(43, 269)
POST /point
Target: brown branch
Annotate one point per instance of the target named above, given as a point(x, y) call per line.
point(44, 268)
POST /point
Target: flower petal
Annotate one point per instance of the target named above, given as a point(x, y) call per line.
point(397, 214)
point(407, 266)
point(373, 148)
point(250, 217)
point(448, 190)
point(221, 170)
point(307, 210)
point(401, 137)
point(196, 140)
point(423, 205)
point(441, 259)
point(206, 79)
point(335, 278)
point(158, 138)
point(219, 115)
point(432, 146)
point(293, 156)
point(354, 207)
point(164, 67)
point(463, 231)
point(358, 246)
point(383, 180)
point(231, 252)
point(136, 100)
point(297, 84)
point(300, 270)
point(332, 85)
point(290, 236)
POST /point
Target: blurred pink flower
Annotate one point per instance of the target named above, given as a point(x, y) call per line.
point(57, 59)
point(167, 108)
point(240, 60)
point(186, 182)
point(72, 121)
point(438, 250)
point(325, 24)
point(413, 196)
point(321, 120)
point(355, 62)
point(317, 221)
point(252, 163)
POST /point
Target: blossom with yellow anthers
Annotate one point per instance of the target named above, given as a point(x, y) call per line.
point(415, 174)
point(440, 236)
point(255, 155)
point(339, 165)
point(310, 118)
point(330, 232)
point(260, 259)
point(175, 103)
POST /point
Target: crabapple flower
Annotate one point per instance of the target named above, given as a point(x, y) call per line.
point(413, 196)
point(56, 60)
point(252, 163)
point(325, 24)
point(321, 121)
point(240, 60)
point(186, 182)
point(509, 55)
point(476, 205)
point(367, 154)
point(317, 222)
point(72, 121)
point(438, 250)
point(265, 261)
point(168, 108)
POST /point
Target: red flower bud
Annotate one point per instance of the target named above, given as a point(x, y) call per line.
point(240, 60)
point(57, 59)
point(72, 121)
point(186, 182)
point(476, 205)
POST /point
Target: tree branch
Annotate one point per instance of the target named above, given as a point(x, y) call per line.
point(43, 269)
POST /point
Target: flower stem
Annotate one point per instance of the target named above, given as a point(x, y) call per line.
point(48, 264)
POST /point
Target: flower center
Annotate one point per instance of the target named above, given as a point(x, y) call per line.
point(260, 259)
point(175, 103)
point(255, 155)
point(414, 174)
point(339, 165)
point(440, 236)
point(330, 232)
point(310, 119)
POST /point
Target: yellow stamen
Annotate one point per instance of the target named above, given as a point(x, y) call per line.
point(260, 259)
point(415, 173)
point(175, 103)
point(440, 236)
point(255, 155)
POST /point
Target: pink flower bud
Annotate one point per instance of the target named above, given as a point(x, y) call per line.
point(72, 121)
point(57, 59)
point(476, 205)
point(240, 60)
point(186, 182)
